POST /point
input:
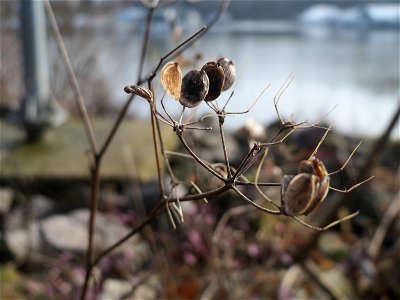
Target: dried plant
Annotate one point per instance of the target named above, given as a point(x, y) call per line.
point(300, 193)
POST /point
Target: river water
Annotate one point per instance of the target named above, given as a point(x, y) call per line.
point(357, 71)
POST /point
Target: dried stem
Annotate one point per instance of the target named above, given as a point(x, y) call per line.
point(72, 78)
point(149, 77)
point(270, 211)
point(154, 213)
point(258, 149)
point(155, 134)
point(221, 132)
point(149, 19)
point(313, 275)
point(95, 180)
point(392, 212)
point(209, 25)
point(153, 74)
point(181, 138)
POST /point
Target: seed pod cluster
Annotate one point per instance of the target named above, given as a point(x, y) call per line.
point(196, 86)
point(303, 192)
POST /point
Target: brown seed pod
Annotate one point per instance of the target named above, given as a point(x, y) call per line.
point(195, 85)
point(216, 77)
point(303, 192)
point(138, 90)
point(230, 72)
point(171, 79)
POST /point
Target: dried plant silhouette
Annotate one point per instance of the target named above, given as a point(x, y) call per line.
point(300, 193)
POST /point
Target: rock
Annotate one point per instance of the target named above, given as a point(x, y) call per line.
point(26, 211)
point(61, 233)
point(147, 290)
point(6, 197)
point(115, 289)
point(24, 242)
point(15, 219)
point(65, 233)
point(41, 206)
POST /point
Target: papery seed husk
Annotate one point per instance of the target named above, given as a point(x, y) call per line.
point(171, 79)
point(195, 85)
point(216, 78)
point(305, 191)
point(229, 71)
point(301, 194)
point(306, 166)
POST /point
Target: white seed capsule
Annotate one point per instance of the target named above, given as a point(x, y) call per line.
point(171, 79)
point(229, 71)
point(195, 85)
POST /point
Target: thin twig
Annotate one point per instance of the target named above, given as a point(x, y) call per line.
point(149, 19)
point(156, 211)
point(153, 73)
point(256, 180)
point(270, 211)
point(95, 186)
point(183, 141)
point(177, 51)
point(221, 132)
point(150, 77)
point(258, 149)
point(312, 274)
point(252, 105)
point(392, 212)
point(72, 78)
point(225, 218)
point(276, 184)
point(155, 134)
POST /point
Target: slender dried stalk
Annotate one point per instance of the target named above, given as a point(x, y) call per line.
point(72, 78)
point(222, 135)
point(159, 208)
point(229, 180)
point(149, 21)
point(95, 180)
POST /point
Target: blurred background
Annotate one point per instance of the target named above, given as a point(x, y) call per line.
point(343, 53)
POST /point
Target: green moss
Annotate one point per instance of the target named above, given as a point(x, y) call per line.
point(64, 151)
point(11, 282)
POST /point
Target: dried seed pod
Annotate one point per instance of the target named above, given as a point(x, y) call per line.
point(195, 85)
point(138, 90)
point(171, 79)
point(230, 72)
point(304, 191)
point(216, 76)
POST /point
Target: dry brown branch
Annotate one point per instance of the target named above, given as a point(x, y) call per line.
point(391, 214)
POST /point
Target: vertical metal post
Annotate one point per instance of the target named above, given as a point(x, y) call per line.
point(37, 111)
